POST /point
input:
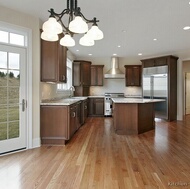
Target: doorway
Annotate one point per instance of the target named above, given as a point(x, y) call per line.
point(12, 98)
point(187, 93)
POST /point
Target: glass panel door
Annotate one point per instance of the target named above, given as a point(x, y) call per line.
point(12, 98)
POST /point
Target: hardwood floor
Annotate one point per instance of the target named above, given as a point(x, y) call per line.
point(97, 158)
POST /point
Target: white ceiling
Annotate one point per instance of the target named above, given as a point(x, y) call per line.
point(142, 21)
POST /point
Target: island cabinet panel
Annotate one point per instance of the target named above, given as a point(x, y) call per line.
point(53, 62)
point(97, 75)
point(133, 75)
point(133, 118)
point(96, 107)
point(58, 123)
point(81, 77)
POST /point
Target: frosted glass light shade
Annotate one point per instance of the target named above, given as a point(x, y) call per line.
point(52, 26)
point(67, 41)
point(49, 36)
point(78, 25)
point(86, 40)
point(95, 33)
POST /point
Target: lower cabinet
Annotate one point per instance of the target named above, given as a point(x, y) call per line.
point(84, 111)
point(96, 107)
point(58, 123)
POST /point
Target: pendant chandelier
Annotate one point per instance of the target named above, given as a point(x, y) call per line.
point(77, 24)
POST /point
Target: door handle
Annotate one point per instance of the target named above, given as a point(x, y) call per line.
point(23, 105)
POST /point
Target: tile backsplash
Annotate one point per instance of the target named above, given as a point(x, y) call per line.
point(49, 91)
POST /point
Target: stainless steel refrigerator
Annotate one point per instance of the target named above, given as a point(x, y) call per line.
point(155, 86)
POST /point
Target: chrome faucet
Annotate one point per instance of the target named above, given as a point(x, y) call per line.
point(72, 89)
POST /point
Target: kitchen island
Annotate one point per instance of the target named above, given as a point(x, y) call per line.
point(133, 116)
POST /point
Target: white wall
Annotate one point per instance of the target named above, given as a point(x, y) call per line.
point(27, 21)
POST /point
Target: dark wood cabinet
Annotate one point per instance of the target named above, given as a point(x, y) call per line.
point(58, 123)
point(53, 62)
point(81, 77)
point(133, 75)
point(96, 107)
point(84, 111)
point(97, 75)
point(171, 62)
point(160, 61)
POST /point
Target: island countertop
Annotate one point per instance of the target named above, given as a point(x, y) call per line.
point(135, 100)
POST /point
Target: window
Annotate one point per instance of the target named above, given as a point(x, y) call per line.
point(12, 38)
point(66, 86)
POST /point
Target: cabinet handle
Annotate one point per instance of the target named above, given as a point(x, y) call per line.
point(63, 77)
point(85, 107)
point(74, 114)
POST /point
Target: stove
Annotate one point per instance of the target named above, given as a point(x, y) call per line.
point(108, 102)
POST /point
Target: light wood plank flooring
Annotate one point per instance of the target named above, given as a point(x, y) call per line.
point(97, 158)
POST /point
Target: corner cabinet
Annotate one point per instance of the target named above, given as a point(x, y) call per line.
point(53, 62)
point(133, 75)
point(81, 77)
point(97, 75)
point(171, 62)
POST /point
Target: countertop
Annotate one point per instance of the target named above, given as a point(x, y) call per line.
point(63, 101)
point(135, 100)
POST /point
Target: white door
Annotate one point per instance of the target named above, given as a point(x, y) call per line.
point(187, 93)
point(12, 98)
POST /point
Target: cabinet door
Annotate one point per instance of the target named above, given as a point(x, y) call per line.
point(85, 110)
point(99, 106)
point(49, 61)
point(62, 64)
point(79, 114)
point(93, 75)
point(133, 75)
point(86, 73)
point(97, 75)
point(90, 106)
point(76, 74)
point(73, 125)
point(53, 61)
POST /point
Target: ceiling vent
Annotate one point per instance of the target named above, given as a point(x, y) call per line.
point(114, 72)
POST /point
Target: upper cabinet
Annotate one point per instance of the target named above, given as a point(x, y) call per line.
point(81, 73)
point(81, 77)
point(53, 62)
point(160, 61)
point(97, 75)
point(133, 75)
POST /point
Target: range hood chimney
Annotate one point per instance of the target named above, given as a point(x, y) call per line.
point(114, 72)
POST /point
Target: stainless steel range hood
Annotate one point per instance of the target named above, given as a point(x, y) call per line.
point(114, 72)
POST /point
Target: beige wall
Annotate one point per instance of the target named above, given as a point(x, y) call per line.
point(26, 21)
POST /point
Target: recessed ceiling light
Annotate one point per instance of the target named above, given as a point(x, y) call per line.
point(90, 54)
point(77, 50)
point(114, 54)
point(140, 54)
point(155, 39)
point(119, 46)
point(123, 31)
point(186, 28)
